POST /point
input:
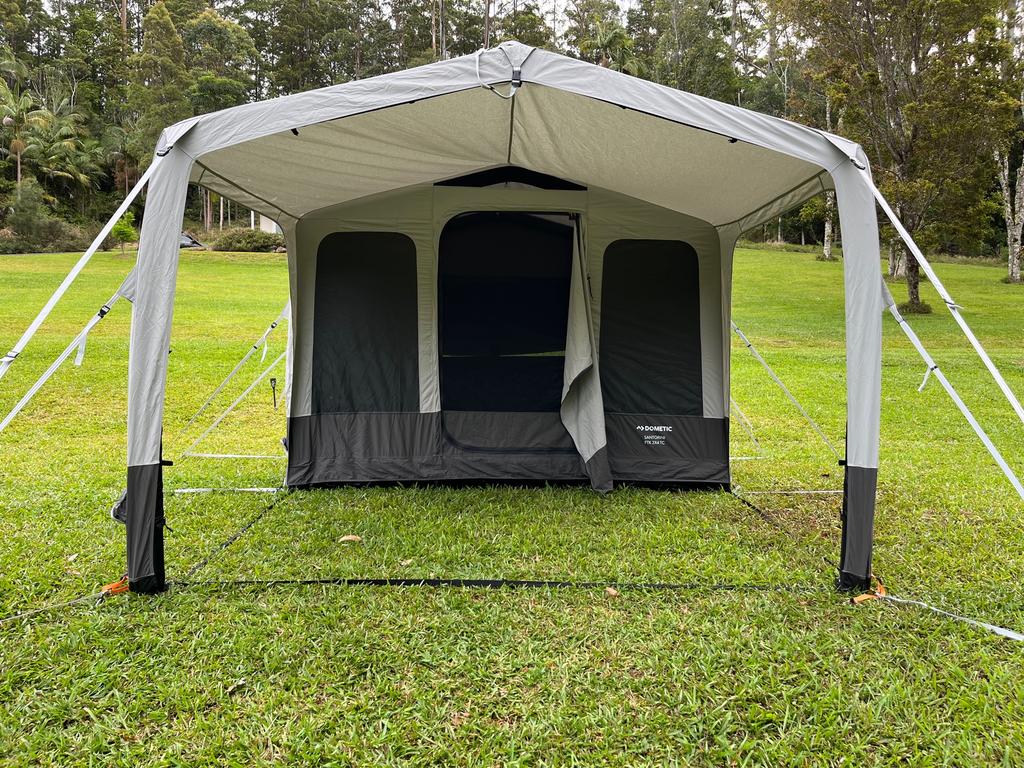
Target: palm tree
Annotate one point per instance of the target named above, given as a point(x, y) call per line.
point(66, 155)
point(19, 113)
point(612, 47)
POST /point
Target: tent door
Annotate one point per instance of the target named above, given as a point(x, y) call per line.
point(503, 285)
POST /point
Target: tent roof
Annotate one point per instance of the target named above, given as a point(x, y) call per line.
point(723, 164)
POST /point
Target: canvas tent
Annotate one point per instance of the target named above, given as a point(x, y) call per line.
point(507, 266)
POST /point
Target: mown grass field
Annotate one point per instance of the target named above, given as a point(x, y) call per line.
point(373, 676)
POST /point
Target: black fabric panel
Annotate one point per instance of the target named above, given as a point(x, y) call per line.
point(503, 314)
point(502, 383)
point(650, 328)
point(335, 448)
point(503, 286)
point(332, 449)
point(859, 489)
point(365, 343)
point(495, 432)
point(599, 471)
point(511, 174)
point(659, 448)
point(144, 526)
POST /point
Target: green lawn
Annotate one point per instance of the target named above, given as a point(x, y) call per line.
point(359, 676)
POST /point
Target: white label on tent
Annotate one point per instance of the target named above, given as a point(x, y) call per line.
point(653, 434)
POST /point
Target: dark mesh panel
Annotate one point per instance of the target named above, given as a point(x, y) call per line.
point(503, 284)
point(365, 345)
point(650, 328)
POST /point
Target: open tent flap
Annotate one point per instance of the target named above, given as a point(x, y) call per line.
point(349, 171)
point(582, 407)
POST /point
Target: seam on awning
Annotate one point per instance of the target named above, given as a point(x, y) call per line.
point(240, 188)
point(791, 190)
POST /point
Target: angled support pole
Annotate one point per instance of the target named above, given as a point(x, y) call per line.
point(230, 408)
point(745, 422)
point(785, 389)
point(261, 341)
point(125, 291)
point(8, 359)
point(951, 305)
point(934, 370)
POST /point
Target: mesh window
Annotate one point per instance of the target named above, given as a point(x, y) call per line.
point(365, 345)
point(503, 284)
point(650, 328)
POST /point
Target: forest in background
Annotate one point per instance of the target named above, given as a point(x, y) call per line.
point(932, 89)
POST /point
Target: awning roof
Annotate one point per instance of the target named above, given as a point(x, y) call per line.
point(290, 156)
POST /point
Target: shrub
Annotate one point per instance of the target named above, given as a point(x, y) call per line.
point(124, 230)
point(30, 228)
point(254, 240)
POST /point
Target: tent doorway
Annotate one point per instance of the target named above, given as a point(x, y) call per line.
point(503, 303)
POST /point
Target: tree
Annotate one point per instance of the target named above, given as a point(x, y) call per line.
point(259, 19)
point(1009, 153)
point(681, 43)
point(612, 47)
point(527, 24)
point(692, 53)
point(1011, 186)
point(64, 155)
point(157, 93)
point(582, 18)
point(124, 230)
point(220, 55)
point(20, 114)
point(920, 95)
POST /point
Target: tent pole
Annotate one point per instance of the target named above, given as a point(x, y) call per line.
point(933, 369)
point(785, 390)
point(8, 359)
point(748, 427)
point(68, 350)
point(245, 358)
point(234, 405)
point(951, 305)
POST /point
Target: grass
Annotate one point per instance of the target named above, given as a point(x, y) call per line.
point(358, 676)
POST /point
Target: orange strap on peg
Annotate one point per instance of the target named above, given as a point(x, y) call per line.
point(877, 592)
point(118, 587)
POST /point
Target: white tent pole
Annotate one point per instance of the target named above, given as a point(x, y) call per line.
point(745, 423)
point(933, 369)
point(16, 350)
point(234, 405)
point(59, 361)
point(951, 305)
point(785, 390)
point(245, 358)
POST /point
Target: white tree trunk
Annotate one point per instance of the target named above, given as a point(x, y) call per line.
point(897, 262)
point(830, 212)
point(1013, 213)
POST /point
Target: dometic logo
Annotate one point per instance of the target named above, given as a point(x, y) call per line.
point(653, 434)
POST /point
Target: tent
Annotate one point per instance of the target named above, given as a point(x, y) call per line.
point(461, 257)
point(509, 266)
